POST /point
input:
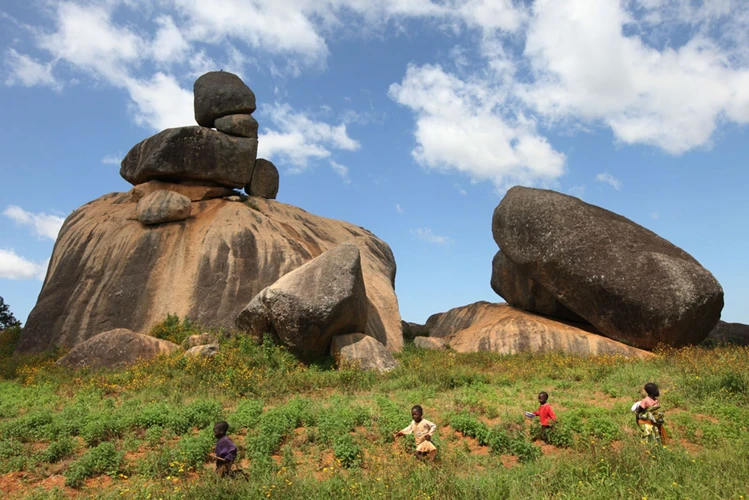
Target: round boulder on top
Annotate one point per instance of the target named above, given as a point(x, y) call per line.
point(163, 206)
point(239, 125)
point(627, 281)
point(219, 93)
point(264, 181)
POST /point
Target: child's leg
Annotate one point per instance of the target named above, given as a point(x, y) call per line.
point(223, 468)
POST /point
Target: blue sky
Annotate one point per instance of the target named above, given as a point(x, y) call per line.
point(408, 117)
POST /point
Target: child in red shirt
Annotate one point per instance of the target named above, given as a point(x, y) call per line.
point(545, 414)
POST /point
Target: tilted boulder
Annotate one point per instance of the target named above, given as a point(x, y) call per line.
point(509, 282)
point(220, 93)
point(628, 282)
point(264, 182)
point(312, 304)
point(163, 206)
point(192, 191)
point(196, 154)
point(205, 269)
point(501, 328)
point(239, 125)
point(115, 348)
point(357, 350)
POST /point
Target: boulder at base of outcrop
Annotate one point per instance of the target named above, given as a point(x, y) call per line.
point(509, 282)
point(239, 125)
point(205, 351)
point(628, 282)
point(264, 181)
point(503, 329)
point(219, 93)
point(115, 348)
point(163, 206)
point(198, 340)
point(205, 268)
point(429, 343)
point(413, 330)
point(361, 351)
point(312, 304)
point(729, 333)
point(192, 191)
point(196, 154)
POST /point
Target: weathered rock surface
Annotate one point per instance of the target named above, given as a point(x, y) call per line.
point(628, 282)
point(429, 343)
point(730, 333)
point(163, 206)
point(362, 351)
point(119, 347)
point(204, 351)
point(219, 93)
point(197, 154)
point(509, 282)
point(264, 181)
point(501, 328)
point(309, 306)
point(198, 340)
point(193, 192)
point(413, 330)
point(109, 271)
point(239, 125)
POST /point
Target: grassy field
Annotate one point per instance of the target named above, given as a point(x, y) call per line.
point(315, 432)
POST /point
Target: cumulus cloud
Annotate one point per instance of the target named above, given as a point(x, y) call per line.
point(426, 235)
point(15, 267)
point(43, 225)
point(610, 180)
point(24, 70)
point(296, 138)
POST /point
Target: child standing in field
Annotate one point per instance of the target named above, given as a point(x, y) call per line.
point(650, 417)
point(545, 413)
point(226, 451)
point(423, 430)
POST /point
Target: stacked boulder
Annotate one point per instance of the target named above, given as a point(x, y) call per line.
point(198, 163)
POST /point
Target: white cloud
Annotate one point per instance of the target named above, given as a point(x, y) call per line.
point(297, 138)
point(461, 125)
point(460, 189)
point(425, 234)
point(160, 103)
point(169, 45)
point(610, 180)
point(398, 208)
point(112, 159)
point(340, 170)
point(15, 267)
point(44, 225)
point(27, 72)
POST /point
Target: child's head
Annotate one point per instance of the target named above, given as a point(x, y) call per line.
point(220, 429)
point(652, 390)
point(543, 397)
point(416, 413)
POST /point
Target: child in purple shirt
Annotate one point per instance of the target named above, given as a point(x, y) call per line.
point(226, 451)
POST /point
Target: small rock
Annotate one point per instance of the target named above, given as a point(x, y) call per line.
point(429, 343)
point(220, 93)
point(206, 351)
point(115, 348)
point(198, 340)
point(239, 125)
point(264, 182)
point(233, 198)
point(163, 206)
point(362, 351)
point(194, 192)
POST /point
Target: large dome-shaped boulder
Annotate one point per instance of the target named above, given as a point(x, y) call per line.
point(509, 282)
point(309, 306)
point(109, 271)
point(220, 93)
point(115, 348)
point(484, 326)
point(627, 281)
point(195, 154)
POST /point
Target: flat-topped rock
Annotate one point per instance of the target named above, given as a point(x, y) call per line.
point(115, 348)
point(264, 181)
point(239, 125)
point(195, 154)
point(220, 93)
point(163, 206)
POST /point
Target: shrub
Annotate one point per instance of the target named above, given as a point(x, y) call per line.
point(57, 450)
point(246, 415)
point(347, 452)
point(104, 459)
point(173, 330)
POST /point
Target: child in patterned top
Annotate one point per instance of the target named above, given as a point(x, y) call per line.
point(423, 430)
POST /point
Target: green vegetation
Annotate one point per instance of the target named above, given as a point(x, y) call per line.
point(314, 432)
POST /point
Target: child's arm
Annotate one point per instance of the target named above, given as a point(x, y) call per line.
point(552, 415)
point(431, 428)
point(407, 430)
